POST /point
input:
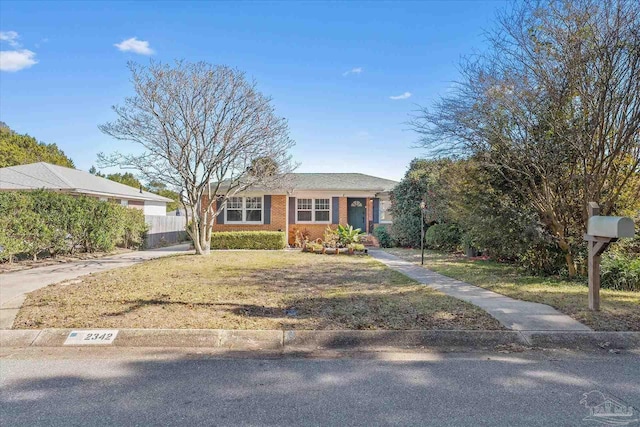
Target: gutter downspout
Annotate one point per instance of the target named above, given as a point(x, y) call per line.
point(286, 216)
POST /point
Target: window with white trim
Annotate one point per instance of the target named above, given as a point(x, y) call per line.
point(305, 210)
point(253, 209)
point(385, 215)
point(313, 210)
point(321, 211)
point(244, 210)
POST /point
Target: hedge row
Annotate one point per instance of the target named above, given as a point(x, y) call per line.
point(45, 222)
point(248, 240)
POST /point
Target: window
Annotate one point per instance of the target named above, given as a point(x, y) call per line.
point(313, 210)
point(253, 209)
point(322, 210)
point(234, 209)
point(385, 215)
point(124, 202)
point(244, 209)
point(305, 209)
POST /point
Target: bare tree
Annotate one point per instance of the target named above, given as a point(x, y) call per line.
point(553, 106)
point(204, 130)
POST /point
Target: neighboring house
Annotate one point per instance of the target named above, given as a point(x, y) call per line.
point(46, 176)
point(309, 203)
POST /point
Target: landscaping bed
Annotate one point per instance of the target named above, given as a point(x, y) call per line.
point(620, 310)
point(256, 290)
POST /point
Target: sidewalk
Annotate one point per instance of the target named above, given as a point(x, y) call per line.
point(512, 313)
point(15, 285)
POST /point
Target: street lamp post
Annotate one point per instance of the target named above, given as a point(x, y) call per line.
point(423, 207)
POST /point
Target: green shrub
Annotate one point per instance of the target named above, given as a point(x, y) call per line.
point(620, 272)
point(405, 230)
point(248, 240)
point(446, 237)
point(347, 234)
point(134, 228)
point(37, 222)
point(384, 237)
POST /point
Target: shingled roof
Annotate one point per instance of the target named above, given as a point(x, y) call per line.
point(59, 178)
point(339, 181)
point(327, 182)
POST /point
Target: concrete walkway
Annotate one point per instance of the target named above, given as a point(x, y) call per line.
point(512, 313)
point(15, 285)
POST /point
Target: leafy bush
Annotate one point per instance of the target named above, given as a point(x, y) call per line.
point(357, 247)
point(37, 222)
point(248, 240)
point(446, 237)
point(405, 230)
point(134, 228)
point(342, 236)
point(347, 235)
point(331, 237)
point(620, 272)
point(384, 237)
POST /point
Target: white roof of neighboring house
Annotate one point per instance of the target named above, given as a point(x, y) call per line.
point(53, 177)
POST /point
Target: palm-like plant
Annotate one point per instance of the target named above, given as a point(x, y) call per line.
point(348, 235)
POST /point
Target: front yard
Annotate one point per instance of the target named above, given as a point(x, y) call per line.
point(250, 290)
point(620, 310)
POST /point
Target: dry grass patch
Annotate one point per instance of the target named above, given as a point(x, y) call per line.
point(250, 290)
point(620, 310)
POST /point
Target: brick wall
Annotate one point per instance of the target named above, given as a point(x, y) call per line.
point(278, 219)
point(343, 211)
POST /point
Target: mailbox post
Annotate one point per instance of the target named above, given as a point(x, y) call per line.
point(601, 232)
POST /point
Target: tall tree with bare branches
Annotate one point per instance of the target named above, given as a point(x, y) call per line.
point(554, 107)
point(204, 130)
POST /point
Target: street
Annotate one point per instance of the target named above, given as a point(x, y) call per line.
point(120, 386)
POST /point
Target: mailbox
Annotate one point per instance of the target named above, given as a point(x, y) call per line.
point(614, 227)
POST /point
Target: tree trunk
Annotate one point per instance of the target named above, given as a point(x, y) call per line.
point(205, 247)
point(568, 256)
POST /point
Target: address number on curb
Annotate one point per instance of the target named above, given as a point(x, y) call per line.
point(97, 337)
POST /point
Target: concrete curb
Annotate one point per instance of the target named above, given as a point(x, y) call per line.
point(584, 340)
point(371, 340)
point(308, 340)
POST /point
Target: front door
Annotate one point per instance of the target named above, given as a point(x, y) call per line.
point(357, 213)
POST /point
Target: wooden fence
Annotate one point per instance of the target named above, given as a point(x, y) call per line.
point(164, 230)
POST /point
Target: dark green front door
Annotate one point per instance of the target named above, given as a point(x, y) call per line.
point(357, 213)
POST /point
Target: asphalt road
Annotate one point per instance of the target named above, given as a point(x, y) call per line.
point(67, 387)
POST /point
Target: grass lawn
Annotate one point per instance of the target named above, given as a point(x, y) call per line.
point(250, 290)
point(620, 310)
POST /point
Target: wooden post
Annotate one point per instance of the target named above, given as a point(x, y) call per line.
point(594, 265)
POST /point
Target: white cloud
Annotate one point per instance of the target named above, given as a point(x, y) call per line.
point(16, 60)
point(136, 46)
point(356, 70)
point(403, 96)
point(10, 37)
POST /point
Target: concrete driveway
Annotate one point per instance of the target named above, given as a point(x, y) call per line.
point(15, 285)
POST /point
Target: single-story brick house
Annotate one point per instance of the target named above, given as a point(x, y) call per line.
point(310, 203)
point(46, 176)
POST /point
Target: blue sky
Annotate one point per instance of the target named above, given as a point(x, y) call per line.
point(300, 54)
